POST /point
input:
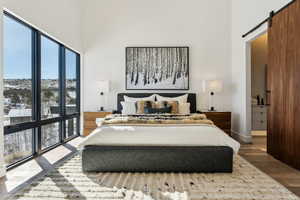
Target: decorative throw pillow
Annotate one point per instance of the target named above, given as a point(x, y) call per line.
point(184, 108)
point(180, 99)
point(141, 105)
point(135, 99)
point(164, 104)
point(149, 110)
point(128, 108)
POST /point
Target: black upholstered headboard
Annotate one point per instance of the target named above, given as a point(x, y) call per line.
point(191, 98)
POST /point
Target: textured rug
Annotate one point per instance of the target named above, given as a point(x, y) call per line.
point(67, 181)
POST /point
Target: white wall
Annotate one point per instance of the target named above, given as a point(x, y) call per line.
point(111, 25)
point(245, 15)
point(2, 167)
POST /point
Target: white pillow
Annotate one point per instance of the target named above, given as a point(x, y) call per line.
point(128, 108)
point(184, 108)
point(180, 99)
point(135, 99)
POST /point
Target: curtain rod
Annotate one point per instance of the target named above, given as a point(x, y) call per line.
point(272, 14)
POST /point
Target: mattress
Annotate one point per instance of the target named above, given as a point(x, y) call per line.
point(160, 135)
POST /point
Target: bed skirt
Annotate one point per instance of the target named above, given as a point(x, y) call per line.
point(205, 159)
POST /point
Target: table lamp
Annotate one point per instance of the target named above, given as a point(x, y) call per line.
point(103, 87)
point(213, 86)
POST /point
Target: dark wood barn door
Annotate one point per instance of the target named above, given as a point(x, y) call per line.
point(283, 86)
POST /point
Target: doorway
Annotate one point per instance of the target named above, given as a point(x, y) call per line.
point(259, 65)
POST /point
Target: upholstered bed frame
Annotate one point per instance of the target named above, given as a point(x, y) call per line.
point(208, 159)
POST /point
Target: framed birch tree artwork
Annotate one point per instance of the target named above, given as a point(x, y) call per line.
point(157, 68)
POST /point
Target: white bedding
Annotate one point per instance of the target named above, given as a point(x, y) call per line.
point(164, 135)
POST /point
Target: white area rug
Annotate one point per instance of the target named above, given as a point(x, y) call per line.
point(67, 181)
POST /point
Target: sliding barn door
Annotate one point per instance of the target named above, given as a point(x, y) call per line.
point(283, 86)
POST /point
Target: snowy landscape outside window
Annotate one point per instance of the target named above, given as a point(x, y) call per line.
point(71, 72)
point(49, 78)
point(157, 68)
point(17, 73)
point(18, 90)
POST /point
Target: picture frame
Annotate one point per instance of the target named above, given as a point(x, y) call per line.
point(157, 68)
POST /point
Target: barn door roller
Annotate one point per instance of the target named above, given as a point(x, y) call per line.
point(271, 18)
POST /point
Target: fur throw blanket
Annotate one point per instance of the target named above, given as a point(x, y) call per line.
point(152, 119)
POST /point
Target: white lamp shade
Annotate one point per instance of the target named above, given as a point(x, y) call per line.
point(104, 86)
point(214, 86)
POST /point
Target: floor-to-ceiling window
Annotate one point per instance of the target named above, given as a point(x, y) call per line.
point(70, 95)
point(49, 95)
point(41, 92)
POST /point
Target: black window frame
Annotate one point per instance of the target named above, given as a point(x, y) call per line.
point(37, 122)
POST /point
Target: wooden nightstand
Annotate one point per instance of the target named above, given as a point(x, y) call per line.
point(90, 121)
point(221, 120)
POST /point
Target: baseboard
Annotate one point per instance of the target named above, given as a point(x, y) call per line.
point(2, 172)
point(259, 133)
point(2, 175)
point(241, 137)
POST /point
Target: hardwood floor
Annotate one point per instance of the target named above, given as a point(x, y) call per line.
point(256, 154)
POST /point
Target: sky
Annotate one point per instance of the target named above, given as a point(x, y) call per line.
point(17, 54)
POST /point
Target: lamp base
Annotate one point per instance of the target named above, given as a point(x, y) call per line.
point(212, 109)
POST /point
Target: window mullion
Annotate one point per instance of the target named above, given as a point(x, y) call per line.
point(78, 96)
point(37, 94)
point(78, 83)
point(62, 89)
point(35, 108)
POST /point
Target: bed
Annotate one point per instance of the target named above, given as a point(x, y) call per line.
point(175, 147)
